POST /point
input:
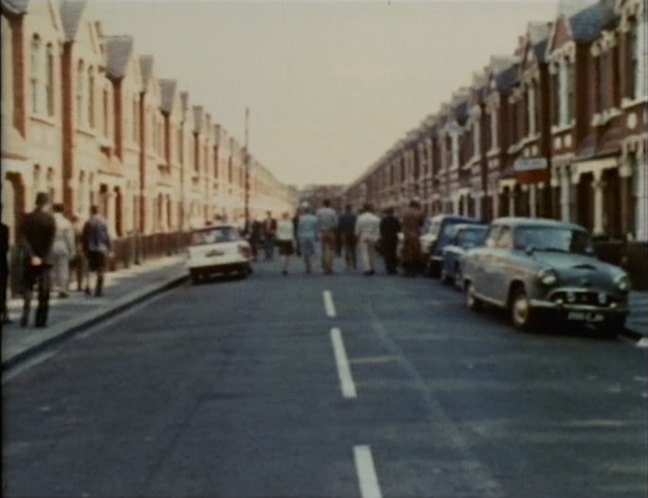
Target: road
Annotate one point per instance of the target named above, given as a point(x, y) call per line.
point(327, 386)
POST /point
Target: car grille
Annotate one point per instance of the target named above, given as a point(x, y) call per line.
point(583, 297)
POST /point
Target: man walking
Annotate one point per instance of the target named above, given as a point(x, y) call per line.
point(367, 231)
point(38, 229)
point(269, 234)
point(346, 228)
point(412, 255)
point(307, 235)
point(62, 251)
point(97, 246)
point(327, 221)
point(4, 273)
point(389, 229)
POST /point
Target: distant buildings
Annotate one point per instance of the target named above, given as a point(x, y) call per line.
point(558, 129)
point(314, 195)
point(87, 119)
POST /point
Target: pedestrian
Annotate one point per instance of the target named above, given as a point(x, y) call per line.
point(63, 251)
point(307, 231)
point(4, 273)
point(37, 237)
point(285, 240)
point(412, 255)
point(327, 221)
point(295, 222)
point(97, 247)
point(269, 234)
point(346, 229)
point(254, 237)
point(389, 230)
point(367, 230)
point(79, 262)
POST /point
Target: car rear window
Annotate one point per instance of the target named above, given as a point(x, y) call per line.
point(214, 235)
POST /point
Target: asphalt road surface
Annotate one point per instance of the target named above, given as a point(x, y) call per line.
point(327, 386)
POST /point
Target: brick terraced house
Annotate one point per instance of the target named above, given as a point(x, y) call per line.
point(88, 120)
point(558, 129)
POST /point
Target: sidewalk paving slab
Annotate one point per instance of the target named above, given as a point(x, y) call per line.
point(122, 289)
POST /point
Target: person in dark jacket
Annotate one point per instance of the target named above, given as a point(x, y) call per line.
point(389, 229)
point(97, 247)
point(269, 235)
point(255, 237)
point(346, 230)
point(4, 272)
point(37, 236)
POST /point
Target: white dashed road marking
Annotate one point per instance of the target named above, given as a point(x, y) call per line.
point(369, 487)
point(328, 304)
point(342, 362)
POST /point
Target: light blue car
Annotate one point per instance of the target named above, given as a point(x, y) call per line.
point(464, 237)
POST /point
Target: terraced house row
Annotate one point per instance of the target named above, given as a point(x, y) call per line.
point(87, 119)
point(558, 129)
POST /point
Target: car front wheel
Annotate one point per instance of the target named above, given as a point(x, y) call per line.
point(195, 277)
point(522, 314)
point(613, 326)
point(445, 278)
point(472, 301)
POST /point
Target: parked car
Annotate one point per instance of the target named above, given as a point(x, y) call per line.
point(435, 235)
point(535, 266)
point(464, 237)
point(218, 249)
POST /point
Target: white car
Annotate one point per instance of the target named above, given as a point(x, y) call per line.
point(218, 249)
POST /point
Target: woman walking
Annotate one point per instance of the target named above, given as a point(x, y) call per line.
point(412, 255)
point(285, 240)
point(307, 230)
point(63, 251)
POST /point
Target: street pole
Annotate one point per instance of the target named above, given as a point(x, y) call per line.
point(247, 169)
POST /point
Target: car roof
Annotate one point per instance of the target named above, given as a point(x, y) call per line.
point(454, 217)
point(515, 221)
point(461, 226)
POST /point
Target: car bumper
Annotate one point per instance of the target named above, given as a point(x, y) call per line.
point(216, 266)
point(587, 311)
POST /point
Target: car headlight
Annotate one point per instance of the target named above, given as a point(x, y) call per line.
point(548, 276)
point(622, 282)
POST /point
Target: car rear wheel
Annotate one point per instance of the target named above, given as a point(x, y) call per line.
point(472, 301)
point(195, 277)
point(522, 314)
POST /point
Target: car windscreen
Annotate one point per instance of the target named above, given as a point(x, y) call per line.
point(471, 237)
point(432, 228)
point(214, 236)
point(554, 239)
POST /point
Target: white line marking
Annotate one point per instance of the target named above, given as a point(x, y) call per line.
point(342, 362)
point(329, 305)
point(369, 487)
point(643, 342)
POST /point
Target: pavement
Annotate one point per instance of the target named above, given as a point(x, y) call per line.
point(313, 386)
point(123, 289)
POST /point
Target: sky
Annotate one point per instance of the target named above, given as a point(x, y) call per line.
point(331, 85)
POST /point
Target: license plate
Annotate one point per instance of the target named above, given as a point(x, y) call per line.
point(585, 317)
point(212, 254)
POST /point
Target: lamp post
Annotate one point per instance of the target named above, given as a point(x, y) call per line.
point(247, 170)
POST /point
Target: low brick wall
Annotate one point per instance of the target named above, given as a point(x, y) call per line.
point(136, 249)
point(631, 256)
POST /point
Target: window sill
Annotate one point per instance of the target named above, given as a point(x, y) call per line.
point(626, 103)
point(604, 117)
point(562, 128)
point(41, 118)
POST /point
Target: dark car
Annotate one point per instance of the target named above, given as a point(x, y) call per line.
point(536, 266)
point(464, 237)
point(436, 234)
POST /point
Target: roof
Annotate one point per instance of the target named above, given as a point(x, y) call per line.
point(539, 37)
point(539, 222)
point(454, 217)
point(587, 24)
point(198, 117)
point(507, 78)
point(146, 68)
point(15, 6)
point(118, 53)
point(71, 12)
point(167, 94)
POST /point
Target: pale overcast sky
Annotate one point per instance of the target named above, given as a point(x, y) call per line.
point(331, 85)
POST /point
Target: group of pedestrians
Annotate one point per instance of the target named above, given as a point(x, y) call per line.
point(47, 247)
point(354, 236)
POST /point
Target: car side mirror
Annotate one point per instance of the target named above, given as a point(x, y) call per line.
point(529, 250)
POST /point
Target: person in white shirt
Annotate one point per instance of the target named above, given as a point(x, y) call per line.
point(367, 230)
point(327, 220)
point(63, 251)
point(285, 240)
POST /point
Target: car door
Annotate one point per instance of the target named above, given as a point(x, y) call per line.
point(501, 264)
point(481, 260)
